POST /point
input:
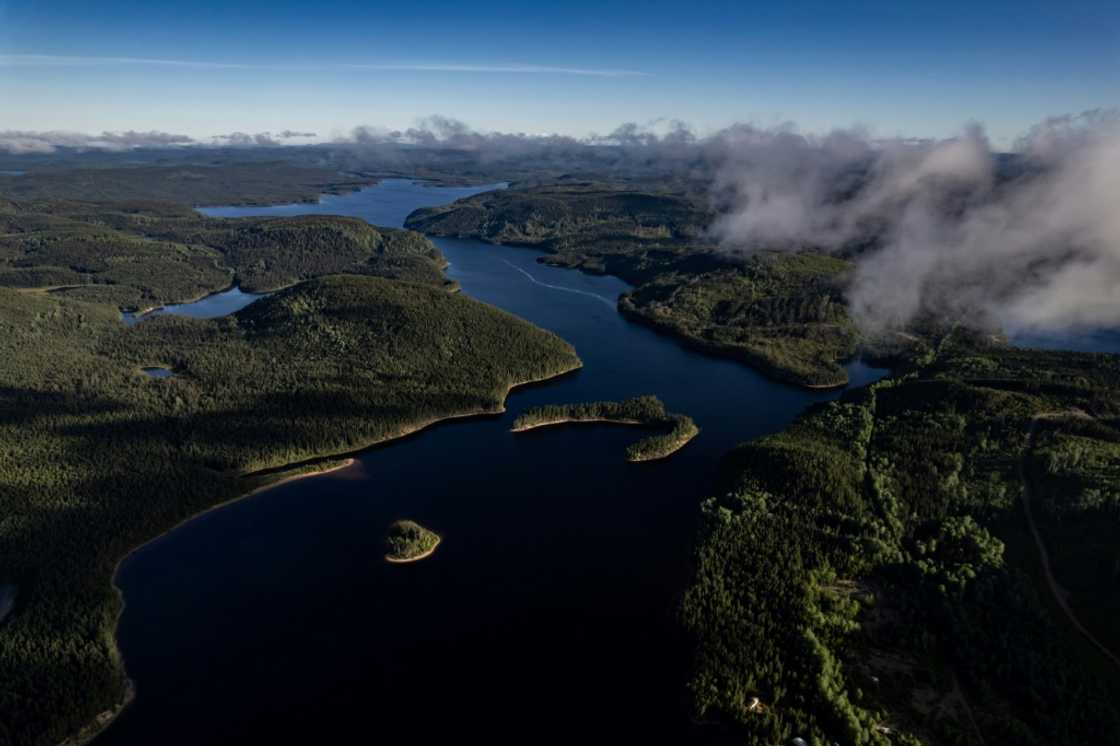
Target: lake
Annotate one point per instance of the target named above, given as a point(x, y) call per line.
point(1078, 340)
point(546, 614)
point(157, 372)
point(212, 306)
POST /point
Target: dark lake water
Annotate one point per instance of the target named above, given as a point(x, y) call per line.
point(545, 616)
point(7, 600)
point(212, 306)
point(157, 372)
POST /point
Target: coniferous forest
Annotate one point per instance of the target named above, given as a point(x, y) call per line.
point(870, 575)
point(874, 574)
point(97, 457)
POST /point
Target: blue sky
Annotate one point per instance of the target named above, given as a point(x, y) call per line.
point(904, 67)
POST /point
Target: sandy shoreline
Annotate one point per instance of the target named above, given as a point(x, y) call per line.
point(140, 314)
point(574, 421)
point(417, 558)
point(824, 386)
point(346, 464)
point(676, 446)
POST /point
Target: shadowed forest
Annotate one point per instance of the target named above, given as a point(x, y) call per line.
point(98, 457)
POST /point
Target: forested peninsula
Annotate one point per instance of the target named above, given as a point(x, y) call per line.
point(642, 411)
point(928, 560)
point(780, 312)
point(363, 344)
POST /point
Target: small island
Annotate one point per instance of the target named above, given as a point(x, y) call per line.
point(641, 411)
point(408, 541)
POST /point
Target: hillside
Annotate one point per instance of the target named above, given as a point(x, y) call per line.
point(198, 181)
point(139, 255)
point(97, 457)
point(869, 576)
point(782, 313)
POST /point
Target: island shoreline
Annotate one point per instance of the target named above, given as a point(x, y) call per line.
point(653, 448)
point(577, 421)
point(417, 558)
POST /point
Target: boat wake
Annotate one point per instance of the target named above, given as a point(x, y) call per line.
point(535, 281)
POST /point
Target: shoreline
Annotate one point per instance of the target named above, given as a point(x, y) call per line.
point(103, 720)
point(346, 464)
point(576, 421)
point(140, 314)
point(740, 355)
point(724, 352)
point(824, 386)
point(327, 190)
point(417, 558)
point(669, 451)
point(678, 445)
point(99, 723)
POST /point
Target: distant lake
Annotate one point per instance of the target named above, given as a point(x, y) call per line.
point(546, 614)
point(211, 307)
point(1079, 340)
point(11, 173)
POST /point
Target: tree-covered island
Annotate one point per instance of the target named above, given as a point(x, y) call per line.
point(408, 541)
point(641, 411)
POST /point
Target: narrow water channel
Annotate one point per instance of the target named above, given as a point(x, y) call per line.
point(546, 615)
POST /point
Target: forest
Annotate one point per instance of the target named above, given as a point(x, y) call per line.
point(868, 575)
point(96, 457)
point(196, 181)
point(874, 574)
point(141, 255)
point(780, 312)
point(408, 541)
point(642, 411)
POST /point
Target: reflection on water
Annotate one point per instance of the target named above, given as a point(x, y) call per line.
point(211, 307)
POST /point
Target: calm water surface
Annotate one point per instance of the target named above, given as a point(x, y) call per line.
point(544, 617)
point(157, 372)
point(212, 306)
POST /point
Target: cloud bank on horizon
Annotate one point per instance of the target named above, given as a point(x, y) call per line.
point(936, 227)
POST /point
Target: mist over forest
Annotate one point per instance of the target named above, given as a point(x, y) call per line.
point(955, 229)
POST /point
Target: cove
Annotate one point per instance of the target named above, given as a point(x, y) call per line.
point(211, 306)
point(546, 616)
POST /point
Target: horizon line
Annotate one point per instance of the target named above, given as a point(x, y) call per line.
point(52, 60)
